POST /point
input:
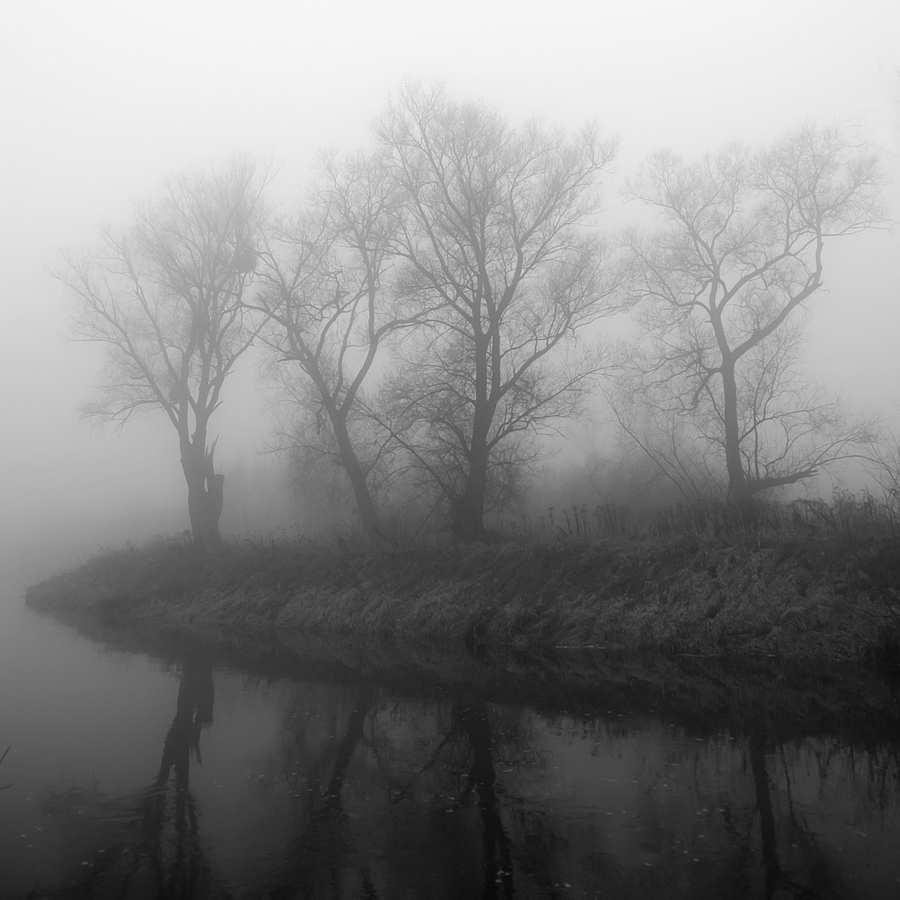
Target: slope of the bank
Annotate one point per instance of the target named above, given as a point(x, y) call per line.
point(811, 599)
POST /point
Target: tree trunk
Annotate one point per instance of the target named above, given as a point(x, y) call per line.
point(367, 514)
point(205, 496)
point(737, 479)
point(467, 511)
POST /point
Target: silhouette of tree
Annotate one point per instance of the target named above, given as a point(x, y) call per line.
point(494, 243)
point(148, 843)
point(721, 291)
point(327, 313)
point(165, 299)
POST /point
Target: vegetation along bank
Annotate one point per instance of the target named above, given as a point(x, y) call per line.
point(829, 596)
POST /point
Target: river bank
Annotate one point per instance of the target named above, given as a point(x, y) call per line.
point(816, 598)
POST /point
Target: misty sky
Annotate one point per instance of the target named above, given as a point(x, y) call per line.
point(100, 101)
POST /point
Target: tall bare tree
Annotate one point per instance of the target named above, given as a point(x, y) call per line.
point(327, 309)
point(495, 242)
point(165, 298)
point(721, 292)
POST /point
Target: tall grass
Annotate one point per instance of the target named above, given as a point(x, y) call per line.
point(806, 578)
point(853, 517)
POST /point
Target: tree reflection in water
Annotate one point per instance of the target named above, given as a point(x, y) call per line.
point(318, 857)
point(186, 870)
point(418, 772)
point(460, 798)
point(366, 791)
point(473, 720)
point(821, 881)
point(165, 858)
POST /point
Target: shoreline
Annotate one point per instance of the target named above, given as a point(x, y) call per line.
point(819, 598)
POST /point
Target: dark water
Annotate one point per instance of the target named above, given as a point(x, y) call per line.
point(178, 771)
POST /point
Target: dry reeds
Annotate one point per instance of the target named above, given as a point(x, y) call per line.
point(791, 580)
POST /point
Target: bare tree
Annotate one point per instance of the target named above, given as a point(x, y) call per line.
point(165, 298)
point(789, 427)
point(495, 243)
point(326, 311)
point(721, 292)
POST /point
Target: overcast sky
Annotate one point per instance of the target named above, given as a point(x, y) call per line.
point(102, 100)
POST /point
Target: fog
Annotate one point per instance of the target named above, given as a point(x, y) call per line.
point(101, 101)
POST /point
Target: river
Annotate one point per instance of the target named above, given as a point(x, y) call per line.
point(160, 767)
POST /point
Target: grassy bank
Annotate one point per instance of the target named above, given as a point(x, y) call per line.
point(825, 597)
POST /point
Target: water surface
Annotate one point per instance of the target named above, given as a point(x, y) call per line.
point(162, 768)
